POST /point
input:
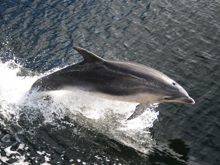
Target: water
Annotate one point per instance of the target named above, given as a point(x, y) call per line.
point(179, 38)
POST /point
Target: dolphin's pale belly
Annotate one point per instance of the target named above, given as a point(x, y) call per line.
point(133, 98)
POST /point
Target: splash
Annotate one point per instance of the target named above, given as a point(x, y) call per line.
point(13, 89)
point(104, 116)
point(109, 118)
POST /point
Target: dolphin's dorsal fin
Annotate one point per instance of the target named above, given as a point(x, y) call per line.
point(88, 56)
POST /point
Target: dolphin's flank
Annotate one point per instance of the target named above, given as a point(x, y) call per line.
point(117, 80)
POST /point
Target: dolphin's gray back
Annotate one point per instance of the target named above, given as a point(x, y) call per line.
point(93, 77)
point(99, 75)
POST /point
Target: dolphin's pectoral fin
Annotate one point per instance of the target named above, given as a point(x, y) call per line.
point(140, 108)
point(88, 56)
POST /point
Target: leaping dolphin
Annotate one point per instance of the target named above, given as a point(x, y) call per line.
point(124, 81)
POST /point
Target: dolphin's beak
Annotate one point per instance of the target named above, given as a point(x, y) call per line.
point(185, 99)
point(188, 100)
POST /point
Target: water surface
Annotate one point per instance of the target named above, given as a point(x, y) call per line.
point(179, 38)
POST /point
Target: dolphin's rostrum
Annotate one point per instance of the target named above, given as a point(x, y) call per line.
point(124, 81)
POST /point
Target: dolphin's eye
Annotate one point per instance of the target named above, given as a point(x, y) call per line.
point(174, 83)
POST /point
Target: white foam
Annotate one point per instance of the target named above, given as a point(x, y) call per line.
point(16, 155)
point(109, 117)
point(13, 87)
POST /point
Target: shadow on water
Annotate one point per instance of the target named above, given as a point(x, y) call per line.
point(174, 153)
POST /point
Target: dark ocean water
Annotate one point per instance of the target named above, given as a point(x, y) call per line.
point(179, 38)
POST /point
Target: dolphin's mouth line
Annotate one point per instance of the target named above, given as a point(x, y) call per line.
point(186, 99)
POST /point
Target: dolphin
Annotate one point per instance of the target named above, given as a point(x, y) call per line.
point(117, 80)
